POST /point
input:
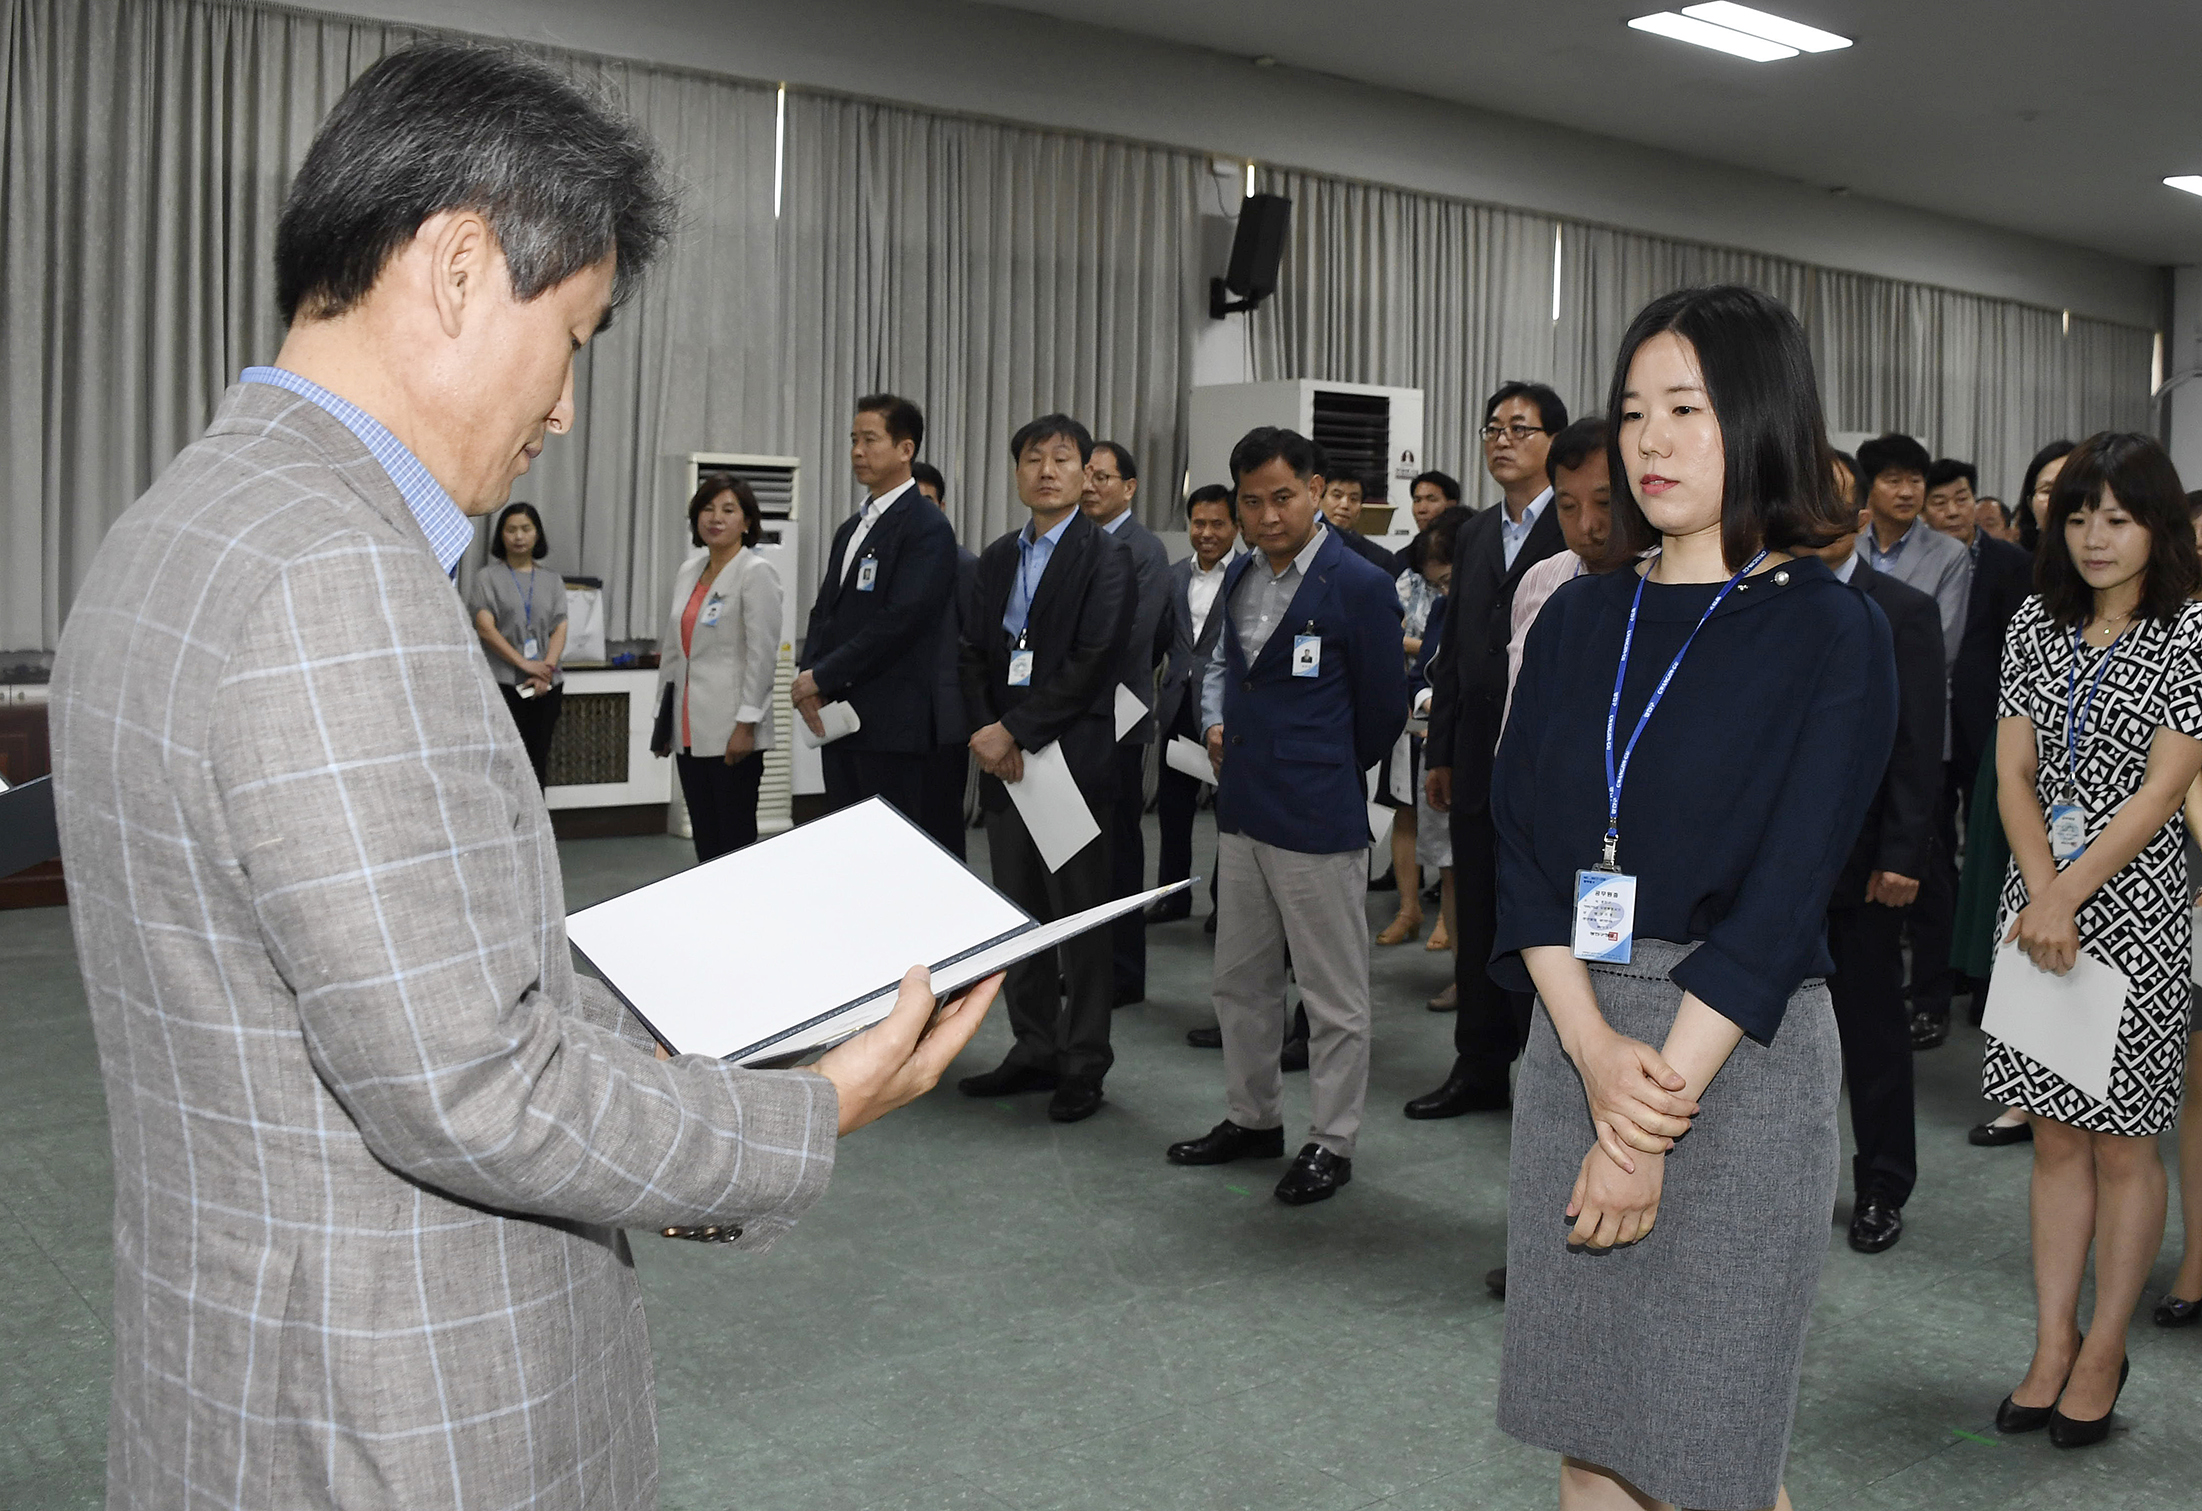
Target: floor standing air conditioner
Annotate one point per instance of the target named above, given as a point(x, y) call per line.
point(777, 483)
point(1368, 430)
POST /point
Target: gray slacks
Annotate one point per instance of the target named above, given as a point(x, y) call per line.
point(1268, 900)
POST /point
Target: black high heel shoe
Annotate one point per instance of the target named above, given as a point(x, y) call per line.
point(2172, 1312)
point(2013, 1418)
point(2064, 1432)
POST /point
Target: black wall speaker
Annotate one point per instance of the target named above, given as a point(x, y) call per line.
point(1256, 250)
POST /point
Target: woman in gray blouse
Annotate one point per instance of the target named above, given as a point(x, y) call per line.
point(520, 613)
point(717, 659)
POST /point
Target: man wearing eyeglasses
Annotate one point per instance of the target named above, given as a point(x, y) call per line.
point(1467, 706)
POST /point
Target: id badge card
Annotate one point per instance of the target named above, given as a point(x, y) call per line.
point(2067, 830)
point(1020, 668)
point(1605, 916)
point(1307, 655)
point(711, 611)
point(530, 648)
point(867, 574)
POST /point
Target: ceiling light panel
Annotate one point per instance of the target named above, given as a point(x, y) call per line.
point(2191, 182)
point(1758, 23)
point(1719, 38)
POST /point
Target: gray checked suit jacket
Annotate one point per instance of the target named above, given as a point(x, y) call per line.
point(374, 1140)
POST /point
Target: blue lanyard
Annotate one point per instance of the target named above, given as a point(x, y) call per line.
point(527, 607)
point(2085, 713)
point(1616, 775)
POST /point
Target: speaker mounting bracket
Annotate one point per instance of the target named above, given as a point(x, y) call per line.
point(1220, 302)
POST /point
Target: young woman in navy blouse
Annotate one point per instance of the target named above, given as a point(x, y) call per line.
point(1675, 1140)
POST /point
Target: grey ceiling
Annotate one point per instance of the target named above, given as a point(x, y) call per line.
point(2036, 115)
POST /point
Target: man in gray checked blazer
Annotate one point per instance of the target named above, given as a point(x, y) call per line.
point(374, 1140)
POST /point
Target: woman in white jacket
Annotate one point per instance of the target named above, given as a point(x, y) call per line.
point(717, 658)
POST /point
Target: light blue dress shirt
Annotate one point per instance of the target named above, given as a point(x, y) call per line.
point(449, 531)
point(1033, 555)
point(1511, 535)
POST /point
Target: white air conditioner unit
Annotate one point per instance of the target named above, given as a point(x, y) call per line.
point(1369, 430)
point(777, 482)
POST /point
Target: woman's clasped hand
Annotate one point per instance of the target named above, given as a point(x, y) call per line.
point(1638, 1106)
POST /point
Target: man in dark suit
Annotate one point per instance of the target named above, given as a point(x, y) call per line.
point(1865, 914)
point(1467, 707)
point(1112, 480)
point(875, 629)
point(949, 763)
point(1343, 497)
point(1306, 692)
point(2002, 575)
point(1196, 583)
point(1051, 616)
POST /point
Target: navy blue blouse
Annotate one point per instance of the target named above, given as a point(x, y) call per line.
point(1745, 793)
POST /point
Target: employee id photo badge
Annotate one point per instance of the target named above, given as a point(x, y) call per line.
point(2067, 830)
point(1307, 655)
point(867, 574)
point(1020, 667)
point(1605, 916)
point(529, 650)
point(711, 611)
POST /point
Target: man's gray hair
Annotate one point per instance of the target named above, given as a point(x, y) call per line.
point(563, 179)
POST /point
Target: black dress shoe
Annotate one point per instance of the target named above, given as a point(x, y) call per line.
point(1007, 1080)
point(1293, 1056)
point(1170, 909)
point(1210, 1037)
point(2065, 1432)
point(2172, 1312)
point(1494, 1281)
point(1315, 1176)
point(1074, 1102)
point(1457, 1096)
point(1996, 1135)
point(1876, 1224)
point(1226, 1142)
point(1929, 1031)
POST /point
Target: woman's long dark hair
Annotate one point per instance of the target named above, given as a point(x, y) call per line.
point(1776, 491)
point(2141, 478)
point(2030, 532)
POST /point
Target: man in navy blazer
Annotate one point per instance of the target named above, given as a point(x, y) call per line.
point(1050, 617)
point(875, 629)
point(1306, 692)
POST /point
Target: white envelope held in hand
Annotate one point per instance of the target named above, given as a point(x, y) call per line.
point(839, 719)
point(1191, 758)
point(2068, 1023)
point(1129, 710)
point(1054, 810)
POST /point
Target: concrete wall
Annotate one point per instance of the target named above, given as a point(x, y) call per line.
point(1012, 65)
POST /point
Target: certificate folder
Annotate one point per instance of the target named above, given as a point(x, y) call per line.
point(801, 940)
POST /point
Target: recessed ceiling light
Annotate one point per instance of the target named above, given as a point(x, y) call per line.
point(1758, 23)
point(2191, 182)
point(1719, 38)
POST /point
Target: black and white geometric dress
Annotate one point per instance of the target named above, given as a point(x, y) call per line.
point(2139, 920)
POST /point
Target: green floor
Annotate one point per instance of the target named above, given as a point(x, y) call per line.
point(990, 1311)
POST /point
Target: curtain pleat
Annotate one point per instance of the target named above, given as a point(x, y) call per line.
point(990, 272)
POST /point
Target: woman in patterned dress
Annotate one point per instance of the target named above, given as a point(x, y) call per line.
point(2101, 713)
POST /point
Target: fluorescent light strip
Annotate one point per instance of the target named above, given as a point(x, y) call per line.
point(779, 148)
point(2191, 182)
point(1719, 38)
point(1757, 23)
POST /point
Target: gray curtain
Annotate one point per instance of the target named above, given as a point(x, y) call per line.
point(992, 274)
point(1389, 286)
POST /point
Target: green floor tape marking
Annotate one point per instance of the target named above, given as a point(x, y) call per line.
point(1241, 1190)
point(1005, 1107)
point(1974, 1437)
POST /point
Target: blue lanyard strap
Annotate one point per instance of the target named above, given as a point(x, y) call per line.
point(1616, 775)
point(2083, 715)
point(527, 606)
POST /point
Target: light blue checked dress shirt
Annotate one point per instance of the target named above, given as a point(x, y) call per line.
point(1033, 555)
point(449, 532)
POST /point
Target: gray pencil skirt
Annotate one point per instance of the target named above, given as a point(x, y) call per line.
point(1674, 1362)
